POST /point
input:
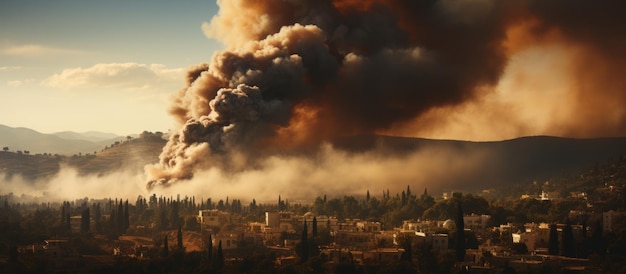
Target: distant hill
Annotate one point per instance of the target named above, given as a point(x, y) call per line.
point(92, 136)
point(63, 143)
point(499, 165)
point(503, 163)
point(134, 154)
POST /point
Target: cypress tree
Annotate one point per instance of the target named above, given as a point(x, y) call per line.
point(126, 220)
point(403, 198)
point(120, 219)
point(84, 221)
point(219, 258)
point(210, 248)
point(68, 225)
point(62, 212)
point(304, 246)
point(174, 216)
point(97, 215)
point(553, 242)
point(568, 246)
point(598, 239)
point(460, 234)
point(314, 228)
point(113, 221)
point(179, 237)
point(166, 251)
point(407, 255)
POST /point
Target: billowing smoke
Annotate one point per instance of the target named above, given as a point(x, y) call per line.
point(296, 73)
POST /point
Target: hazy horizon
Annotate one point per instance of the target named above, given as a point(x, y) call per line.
point(235, 79)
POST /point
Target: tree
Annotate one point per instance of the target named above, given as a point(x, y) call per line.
point(174, 216)
point(599, 246)
point(179, 238)
point(191, 223)
point(162, 218)
point(314, 228)
point(568, 246)
point(219, 258)
point(63, 208)
point(84, 221)
point(304, 246)
point(166, 251)
point(5, 149)
point(119, 225)
point(553, 242)
point(126, 218)
point(460, 234)
point(209, 247)
point(407, 255)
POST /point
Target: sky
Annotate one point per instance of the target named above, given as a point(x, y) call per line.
point(240, 82)
point(500, 70)
point(107, 66)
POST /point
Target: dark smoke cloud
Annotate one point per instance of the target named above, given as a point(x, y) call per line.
point(300, 72)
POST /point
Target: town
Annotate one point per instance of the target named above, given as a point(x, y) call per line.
point(407, 232)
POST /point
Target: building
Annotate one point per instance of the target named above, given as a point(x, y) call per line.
point(367, 226)
point(281, 221)
point(425, 226)
point(475, 222)
point(229, 240)
point(323, 221)
point(437, 240)
point(534, 236)
point(212, 218)
point(355, 239)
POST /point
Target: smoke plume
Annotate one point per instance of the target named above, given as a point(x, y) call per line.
point(295, 73)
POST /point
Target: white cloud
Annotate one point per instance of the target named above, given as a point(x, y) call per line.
point(126, 76)
point(35, 50)
point(10, 68)
point(15, 83)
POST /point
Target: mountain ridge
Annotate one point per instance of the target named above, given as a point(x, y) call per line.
point(500, 163)
point(62, 143)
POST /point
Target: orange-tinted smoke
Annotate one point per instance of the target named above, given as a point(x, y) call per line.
point(299, 72)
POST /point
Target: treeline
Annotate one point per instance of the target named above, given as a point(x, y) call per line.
point(115, 217)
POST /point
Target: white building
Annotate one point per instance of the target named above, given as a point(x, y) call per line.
point(281, 221)
point(534, 236)
point(322, 221)
point(212, 217)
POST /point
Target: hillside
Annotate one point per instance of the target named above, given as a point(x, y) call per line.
point(518, 162)
point(63, 143)
point(134, 154)
point(92, 136)
point(131, 154)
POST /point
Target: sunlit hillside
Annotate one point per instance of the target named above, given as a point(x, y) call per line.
point(131, 153)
